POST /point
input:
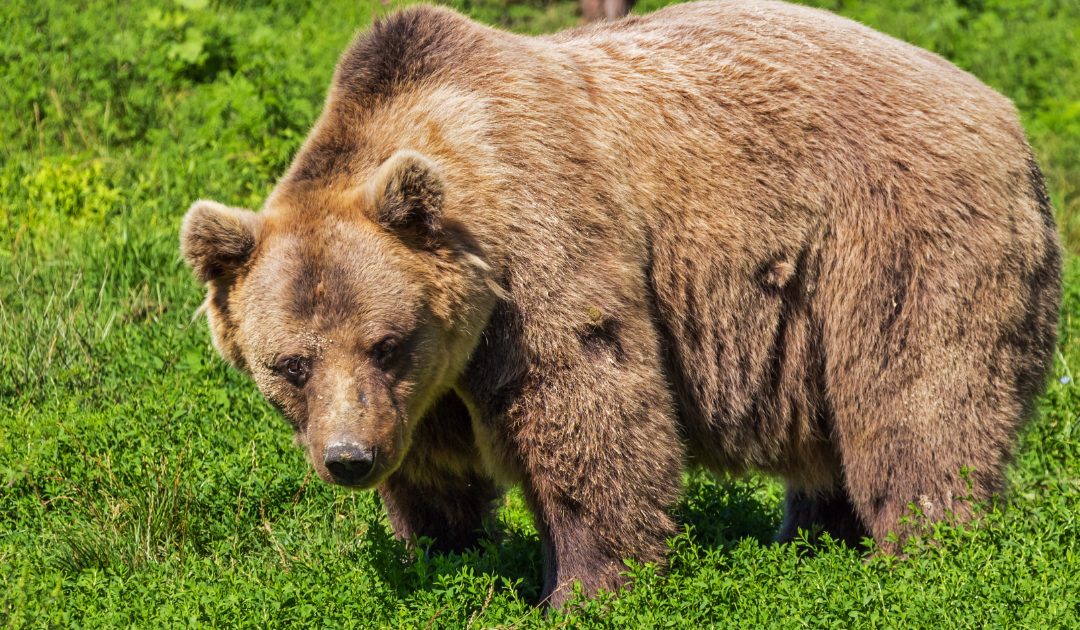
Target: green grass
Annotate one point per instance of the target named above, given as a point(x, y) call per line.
point(142, 482)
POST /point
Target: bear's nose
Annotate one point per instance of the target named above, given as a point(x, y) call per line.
point(349, 464)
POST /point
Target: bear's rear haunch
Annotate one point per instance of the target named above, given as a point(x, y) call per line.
point(742, 235)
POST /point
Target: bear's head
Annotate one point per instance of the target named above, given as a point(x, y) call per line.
point(353, 309)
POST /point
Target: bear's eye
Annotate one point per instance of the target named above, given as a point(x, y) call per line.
point(295, 369)
point(383, 352)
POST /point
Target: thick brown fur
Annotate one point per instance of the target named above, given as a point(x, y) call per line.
point(742, 234)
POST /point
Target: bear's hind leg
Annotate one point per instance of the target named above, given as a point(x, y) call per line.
point(820, 512)
point(885, 485)
point(934, 432)
point(936, 344)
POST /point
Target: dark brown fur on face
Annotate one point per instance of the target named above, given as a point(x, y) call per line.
point(746, 235)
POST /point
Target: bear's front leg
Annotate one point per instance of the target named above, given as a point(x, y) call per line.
point(439, 491)
point(822, 511)
point(601, 461)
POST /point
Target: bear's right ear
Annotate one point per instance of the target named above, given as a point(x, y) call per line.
point(217, 240)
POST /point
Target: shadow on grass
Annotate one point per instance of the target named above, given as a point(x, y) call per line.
point(719, 514)
point(162, 520)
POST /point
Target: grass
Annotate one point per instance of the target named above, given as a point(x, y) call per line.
point(143, 483)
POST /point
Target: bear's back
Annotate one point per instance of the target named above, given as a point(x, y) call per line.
point(815, 43)
point(798, 71)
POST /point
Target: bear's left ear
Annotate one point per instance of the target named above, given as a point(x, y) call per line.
point(407, 191)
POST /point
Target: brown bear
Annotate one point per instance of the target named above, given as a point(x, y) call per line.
point(740, 235)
